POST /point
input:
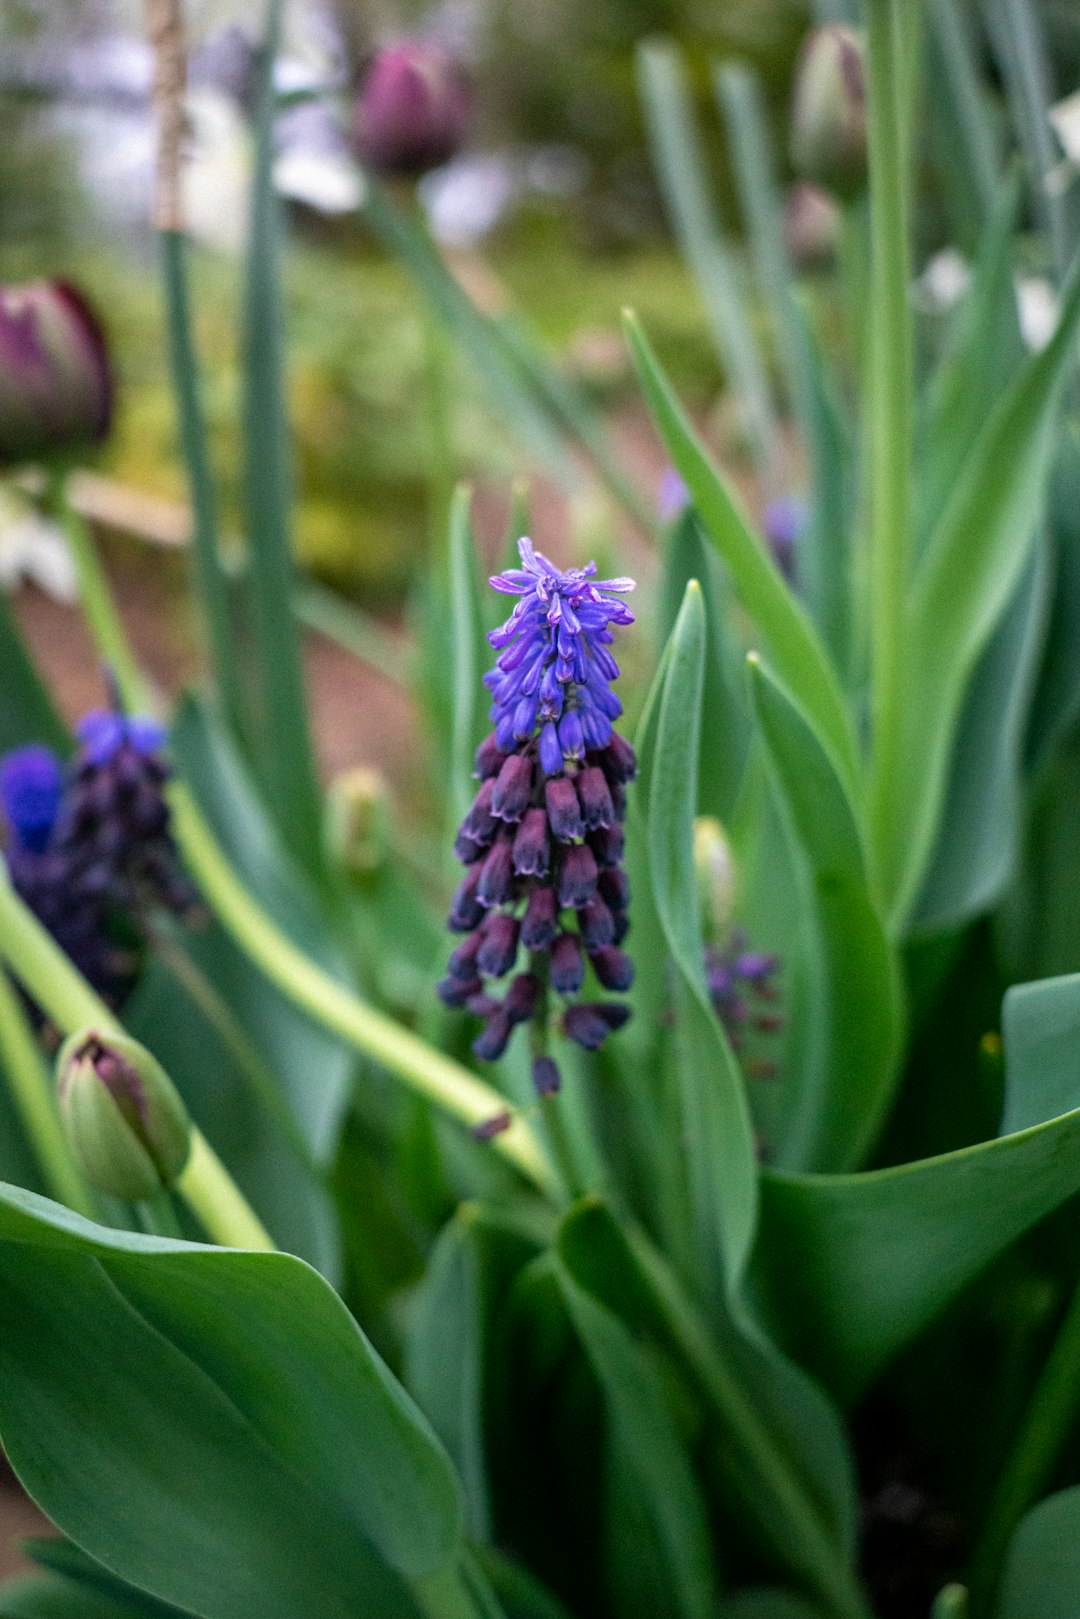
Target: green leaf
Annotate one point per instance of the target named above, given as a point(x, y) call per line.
point(211, 1425)
point(726, 721)
point(1057, 696)
point(27, 711)
point(849, 1042)
point(787, 633)
point(770, 1604)
point(285, 752)
point(47, 1596)
point(971, 566)
point(855, 1266)
point(716, 1121)
point(61, 1558)
point(1041, 1579)
point(468, 647)
point(654, 1450)
point(680, 165)
point(976, 851)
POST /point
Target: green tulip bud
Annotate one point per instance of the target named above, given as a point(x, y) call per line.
point(828, 120)
point(358, 820)
point(56, 384)
point(716, 879)
point(124, 1119)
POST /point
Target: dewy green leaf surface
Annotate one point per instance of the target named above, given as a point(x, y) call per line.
point(855, 1266)
point(716, 1119)
point(211, 1425)
point(851, 1033)
point(786, 631)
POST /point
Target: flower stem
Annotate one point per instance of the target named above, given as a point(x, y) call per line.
point(64, 996)
point(1046, 1425)
point(103, 621)
point(404, 1054)
point(890, 333)
point(33, 1095)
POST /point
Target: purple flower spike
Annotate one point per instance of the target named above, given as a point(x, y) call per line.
point(31, 785)
point(545, 828)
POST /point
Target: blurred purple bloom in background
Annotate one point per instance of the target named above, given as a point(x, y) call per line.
point(56, 389)
point(413, 110)
point(783, 522)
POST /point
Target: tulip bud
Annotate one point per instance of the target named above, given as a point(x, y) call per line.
point(828, 120)
point(55, 382)
point(358, 820)
point(412, 113)
point(715, 867)
point(811, 226)
point(123, 1116)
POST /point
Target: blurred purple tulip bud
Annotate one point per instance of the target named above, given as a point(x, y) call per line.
point(828, 116)
point(56, 388)
point(811, 225)
point(413, 110)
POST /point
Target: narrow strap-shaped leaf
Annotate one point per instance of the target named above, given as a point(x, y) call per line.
point(788, 635)
point(971, 160)
point(719, 1141)
point(849, 1051)
point(27, 711)
point(969, 571)
point(285, 737)
point(680, 164)
point(468, 646)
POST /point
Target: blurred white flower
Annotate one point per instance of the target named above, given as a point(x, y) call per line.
point(1037, 308)
point(217, 173)
point(322, 180)
point(1065, 119)
point(33, 548)
point(943, 283)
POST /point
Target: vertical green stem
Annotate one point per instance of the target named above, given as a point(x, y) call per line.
point(209, 573)
point(33, 1095)
point(890, 419)
point(440, 412)
point(1046, 1426)
point(106, 630)
point(64, 995)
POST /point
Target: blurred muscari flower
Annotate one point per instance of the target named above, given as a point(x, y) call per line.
point(90, 845)
point(810, 221)
point(783, 522)
point(742, 985)
point(543, 841)
point(413, 110)
point(122, 1114)
point(672, 496)
point(56, 388)
point(828, 117)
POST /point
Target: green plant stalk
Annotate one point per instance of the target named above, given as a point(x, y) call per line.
point(1046, 1425)
point(33, 1096)
point(440, 414)
point(420, 1066)
point(99, 608)
point(210, 576)
point(64, 995)
point(891, 421)
point(157, 1217)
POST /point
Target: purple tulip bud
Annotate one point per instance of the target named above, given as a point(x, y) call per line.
point(547, 1081)
point(532, 846)
point(564, 811)
point(590, 1023)
point(522, 997)
point(498, 948)
point(497, 873)
point(613, 968)
point(596, 806)
point(828, 117)
point(538, 925)
point(413, 110)
point(513, 786)
point(56, 388)
point(567, 964)
point(577, 876)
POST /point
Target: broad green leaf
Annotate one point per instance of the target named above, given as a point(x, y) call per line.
point(447, 1366)
point(725, 716)
point(285, 753)
point(849, 1043)
point(679, 161)
point(1057, 695)
point(982, 821)
point(971, 566)
point(522, 1596)
point(654, 1450)
point(63, 1559)
point(775, 1437)
point(1041, 1579)
point(786, 632)
point(48, 1596)
point(716, 1121)
point(855, 1266)
point(27, 712)
point(969, 157)
point(211, 1425)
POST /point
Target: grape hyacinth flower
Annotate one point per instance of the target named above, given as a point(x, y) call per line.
point(742, 986)
point(543, 841)
point(89, 846)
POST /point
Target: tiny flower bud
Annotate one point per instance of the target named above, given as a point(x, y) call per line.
point(597, 923)
point(497, 873)
point(532, 846)
point(577, 876)
point(510, 796)
point(492, 1040)
point(607, 844)
point(716, 879)
point(31, 784)
point(522, 997)
point(123, 1116)
point(538, 925)
point(358, 820)
point(811, 226)
point(498, 949)
point(596, 806)
point(455, 991)
point(590, 1023)
point(613, 968)
point(55, 382)
point(828, 119)
point(546, 1078)
point(564, 811)
point(466, 910)
point(412, 113)
point(490, 1128)
point(567, 964)
point(489, 758)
